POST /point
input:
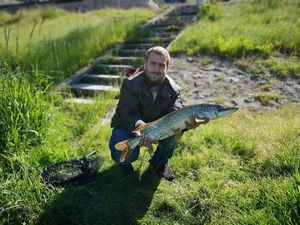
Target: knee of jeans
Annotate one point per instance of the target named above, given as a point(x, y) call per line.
point(115, 156)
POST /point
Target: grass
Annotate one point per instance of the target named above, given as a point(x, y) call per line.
point(237, 170)
point(243, 169)
point(58, 43)
point(267, 98)
point(24, 195)
point(250, 28)
point(23, 120)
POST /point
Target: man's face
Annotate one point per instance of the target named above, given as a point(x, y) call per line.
point(156, 69)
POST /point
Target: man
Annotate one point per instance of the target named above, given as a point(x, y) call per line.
point(145, 97)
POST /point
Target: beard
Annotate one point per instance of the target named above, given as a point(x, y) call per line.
point(154, 83)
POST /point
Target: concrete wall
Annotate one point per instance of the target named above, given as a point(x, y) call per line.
point(125, 4)
point(85, 5)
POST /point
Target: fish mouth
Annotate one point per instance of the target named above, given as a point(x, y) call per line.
point(224, 111)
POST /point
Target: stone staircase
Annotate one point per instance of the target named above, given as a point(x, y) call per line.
point(107, 71)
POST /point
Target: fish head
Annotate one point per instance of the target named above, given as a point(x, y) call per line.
point(221, 110)
point(214, 111)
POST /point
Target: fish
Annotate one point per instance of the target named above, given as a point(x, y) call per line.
point(172, 124)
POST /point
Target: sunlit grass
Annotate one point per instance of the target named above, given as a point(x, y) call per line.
point(245, 29)
point(61, 44)
point(240, 168)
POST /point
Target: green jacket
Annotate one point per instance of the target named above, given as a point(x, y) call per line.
point(136, 102)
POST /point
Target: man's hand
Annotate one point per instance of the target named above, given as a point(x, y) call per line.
point(194, 121)
point(147, 142)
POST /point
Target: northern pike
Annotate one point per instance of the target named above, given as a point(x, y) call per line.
point(172, 124)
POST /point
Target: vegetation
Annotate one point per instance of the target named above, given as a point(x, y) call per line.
point(250, 28)
point(238, 170)
point(242, 169)
point(58, 43)
point(267, 98)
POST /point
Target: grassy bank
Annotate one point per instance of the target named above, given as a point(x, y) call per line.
point(250, 29)
point(58, 43)
point(237, 170)
point(23, 196)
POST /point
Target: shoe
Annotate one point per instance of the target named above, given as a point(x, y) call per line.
point(165, 172)
point(126, 169)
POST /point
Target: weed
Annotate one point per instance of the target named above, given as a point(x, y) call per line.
point(205, 61)
point(172, 28)
point(220, 100)
point(267, 98)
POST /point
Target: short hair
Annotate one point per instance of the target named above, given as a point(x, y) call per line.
point(160, 51)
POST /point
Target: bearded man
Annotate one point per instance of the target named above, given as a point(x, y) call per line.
point(147, 96)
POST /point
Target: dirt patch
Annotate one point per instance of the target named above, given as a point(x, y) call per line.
point(220, 81)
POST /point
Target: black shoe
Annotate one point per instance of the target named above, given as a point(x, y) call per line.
point(126, 169)
point(165, 172)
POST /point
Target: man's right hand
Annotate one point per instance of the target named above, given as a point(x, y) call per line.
point(146, 141)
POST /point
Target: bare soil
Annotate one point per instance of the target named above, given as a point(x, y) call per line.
point(223, 82)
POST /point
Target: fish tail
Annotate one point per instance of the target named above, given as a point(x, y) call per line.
point(122, 145)
point(124, 148)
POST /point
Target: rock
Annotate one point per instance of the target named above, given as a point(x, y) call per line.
point(234, 102)
point(190, 59)
point(248, 100)
point(232, 79)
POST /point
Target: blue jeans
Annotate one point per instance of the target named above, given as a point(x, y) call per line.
point(163, 153)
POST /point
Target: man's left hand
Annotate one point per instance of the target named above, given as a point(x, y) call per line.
point(194, 121)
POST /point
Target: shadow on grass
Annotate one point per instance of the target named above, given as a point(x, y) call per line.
point(108, 198)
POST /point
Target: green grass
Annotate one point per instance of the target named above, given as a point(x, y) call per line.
point(250, 28)
point(23, 120)
point(58, 43)
point(237, 170)
point(267, 98)
point(243, 169)
point(24, 196)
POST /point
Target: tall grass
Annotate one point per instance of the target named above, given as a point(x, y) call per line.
point(250, 27)
point(58, 43)
point(23, 195)
point(23, 112)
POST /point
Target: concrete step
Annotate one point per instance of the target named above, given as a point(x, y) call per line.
point(126, 60)
point(91, 89)
point(166, 34)
point(111, 69)
point(79, 100)
point(144, 46)
point(176, 19)
point(129, 52)
point(184, 10)
point(164, 29)
point(155, 40)
point(166, 23)
point(102, 79)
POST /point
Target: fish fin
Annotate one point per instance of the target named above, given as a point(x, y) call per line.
point(175, 131)
point(178, 136)
point(122, 145)
point(124, 155)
